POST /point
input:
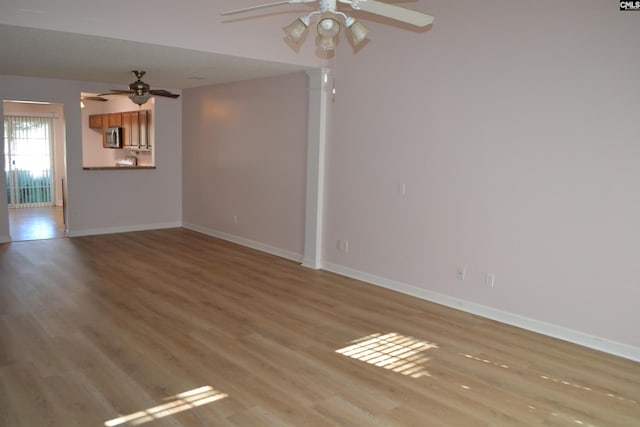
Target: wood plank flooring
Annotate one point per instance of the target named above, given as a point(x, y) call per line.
point(175, 328)
point(36, 223)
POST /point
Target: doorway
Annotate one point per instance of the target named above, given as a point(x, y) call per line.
point(34, 168)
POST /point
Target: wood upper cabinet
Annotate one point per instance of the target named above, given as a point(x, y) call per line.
point(100, 121)
point(115, 119)
point(131, 129)
point(135, 127)
point(95, 121)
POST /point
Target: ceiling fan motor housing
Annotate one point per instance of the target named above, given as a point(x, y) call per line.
point(328, 6)
point(139, 87)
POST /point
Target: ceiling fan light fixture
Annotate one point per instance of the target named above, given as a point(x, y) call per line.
point(328, 28)
point(357, 30)
point(139, 99)
point(297, 28)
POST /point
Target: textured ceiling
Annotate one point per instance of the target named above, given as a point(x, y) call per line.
point(52, 54)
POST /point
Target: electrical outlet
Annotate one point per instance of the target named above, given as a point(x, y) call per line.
point(235, 219)
point(460, 273)
point(343, 246)
point(490, 279)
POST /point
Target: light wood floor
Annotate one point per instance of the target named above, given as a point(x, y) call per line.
point(175, 328)
point(36, 223)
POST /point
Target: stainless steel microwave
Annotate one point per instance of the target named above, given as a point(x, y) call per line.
point(113, 137)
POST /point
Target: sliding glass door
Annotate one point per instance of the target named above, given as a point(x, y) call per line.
point(28, 160)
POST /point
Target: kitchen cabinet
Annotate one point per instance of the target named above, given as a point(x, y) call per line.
point(135, 126)
point(101, 121)
point(114, 119)
point(95, 121)
point(131, 129)
point(145, 125)
point(136, 130)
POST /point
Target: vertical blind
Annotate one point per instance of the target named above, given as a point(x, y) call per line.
point(28, 160)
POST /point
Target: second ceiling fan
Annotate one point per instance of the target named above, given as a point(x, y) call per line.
point(139, 92)
point(328, 26)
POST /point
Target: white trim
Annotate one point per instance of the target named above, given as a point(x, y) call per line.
point(5, 239)
point(555, 331)
point(311, 263)
point(317, 134)
point(123, 229)
point(245, 242)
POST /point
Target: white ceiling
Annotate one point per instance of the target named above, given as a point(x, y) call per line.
point(53, 54)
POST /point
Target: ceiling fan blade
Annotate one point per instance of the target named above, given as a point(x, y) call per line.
point(412, 17)
point(260, 6)
point(93, 98)
point(162, 92)
point(117, 92)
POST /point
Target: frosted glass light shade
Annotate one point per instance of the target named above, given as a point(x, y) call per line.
point(296, 29)
point(328, 29)
point(139, 99)
point(328, 26)
point(358, 32)
point(326, 43)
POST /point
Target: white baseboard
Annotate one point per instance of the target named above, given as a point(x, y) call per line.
point(124, 229)
point(311, 263)
point(5, 239)
point(555, 331)
point(245, 242)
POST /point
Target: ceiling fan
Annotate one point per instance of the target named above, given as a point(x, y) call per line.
point(328, 26)
point(139, 92)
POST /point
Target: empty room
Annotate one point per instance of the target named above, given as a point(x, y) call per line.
point(392, 213)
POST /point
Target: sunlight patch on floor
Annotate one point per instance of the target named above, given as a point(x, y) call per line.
point(484, 360)
point(392, 351)
point(178, 403)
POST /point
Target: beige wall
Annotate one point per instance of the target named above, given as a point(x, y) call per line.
point(514, 126)
point(244, 148)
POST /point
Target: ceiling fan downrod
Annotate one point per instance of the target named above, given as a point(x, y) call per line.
point(139, 87)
